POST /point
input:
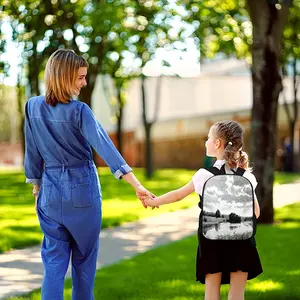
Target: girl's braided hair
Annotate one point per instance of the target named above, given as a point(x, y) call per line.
point(231, 134)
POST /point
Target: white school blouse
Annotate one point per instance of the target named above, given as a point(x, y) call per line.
point(202, 175)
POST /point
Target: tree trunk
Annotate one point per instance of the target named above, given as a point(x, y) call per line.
point(268, 23)
point(33, 74)
point(148, 151)
point(147, 127)
point(86, 97)
point(120, 120)
point(86, 93)
point(22, 120)
point(20, 102)
point(295, 116)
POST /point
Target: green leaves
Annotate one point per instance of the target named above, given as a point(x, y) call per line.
point(220, 26)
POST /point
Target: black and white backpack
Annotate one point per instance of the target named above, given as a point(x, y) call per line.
point(227, 206)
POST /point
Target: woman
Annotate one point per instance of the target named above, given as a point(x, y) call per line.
point(59, 133)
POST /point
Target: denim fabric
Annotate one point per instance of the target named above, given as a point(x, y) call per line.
point(69, 211)
point(63, 135)
point(59, 158)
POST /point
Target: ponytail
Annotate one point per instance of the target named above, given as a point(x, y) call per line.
point(236, 158)
point(231, 134)
point(243, 160)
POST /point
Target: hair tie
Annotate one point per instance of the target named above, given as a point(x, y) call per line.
point(230, 143)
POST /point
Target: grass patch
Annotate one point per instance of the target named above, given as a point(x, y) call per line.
point(19, 225)
point(168, 272)
point(282, 178)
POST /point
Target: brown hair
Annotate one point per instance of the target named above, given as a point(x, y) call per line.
point(231, 134)
point(60, 75)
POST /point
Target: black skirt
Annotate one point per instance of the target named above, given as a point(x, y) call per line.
point(227, 256)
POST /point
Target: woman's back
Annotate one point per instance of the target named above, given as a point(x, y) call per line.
point(56, 131)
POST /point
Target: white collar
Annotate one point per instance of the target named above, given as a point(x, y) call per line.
point(219, 163)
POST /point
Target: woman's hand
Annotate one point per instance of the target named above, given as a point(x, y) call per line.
point(35, 193)
point(143, 193)
point(36, 198)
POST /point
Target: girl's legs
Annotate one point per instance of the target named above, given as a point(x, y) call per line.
point(238, 282)
point(212, 286)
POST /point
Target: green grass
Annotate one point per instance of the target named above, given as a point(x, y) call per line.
point(168, 272)
point(282, 178)
point(19, 225)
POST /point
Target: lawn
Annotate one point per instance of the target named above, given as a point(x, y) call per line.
point(19, 225)
point(168, 272)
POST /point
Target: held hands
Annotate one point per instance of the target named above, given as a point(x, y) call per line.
point(35, 193)
point(36, 198)
point(143, 194)
point(149, 201)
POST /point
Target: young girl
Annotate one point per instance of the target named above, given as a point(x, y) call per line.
point(59, 133)
point(221, 261)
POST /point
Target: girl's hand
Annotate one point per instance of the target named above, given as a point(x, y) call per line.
point(142, 194)
point(151, 202)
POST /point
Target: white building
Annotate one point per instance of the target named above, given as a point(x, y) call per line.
point(223, 89)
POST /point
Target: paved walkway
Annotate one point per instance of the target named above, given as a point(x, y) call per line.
point(21, 271)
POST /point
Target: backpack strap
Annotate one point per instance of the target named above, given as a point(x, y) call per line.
point(222, 170)
point(213, 170)
point(216, 171)
point(239, 171)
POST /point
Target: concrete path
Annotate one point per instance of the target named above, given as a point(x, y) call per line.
point(21, 271)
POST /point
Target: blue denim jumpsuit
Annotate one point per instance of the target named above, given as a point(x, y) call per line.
point(58, 157)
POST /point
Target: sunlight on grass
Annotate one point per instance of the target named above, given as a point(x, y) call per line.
point(19, 225)
point(265, 286)
point(282, 178)
point(289, 225)
point(172, 284)
point(168, 272)
point(290, 212)
point(294, 272)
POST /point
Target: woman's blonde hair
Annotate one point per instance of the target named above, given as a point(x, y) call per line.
point(60, 75)
point(231, 134)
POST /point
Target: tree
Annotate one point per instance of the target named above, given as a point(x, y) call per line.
point(221, 26)
point(268, 20)
point(89, 27)
point(117, 103)
point(224, 26)
point(39, 28)
point(148, 124)
point(153, 22)
point(234, 218)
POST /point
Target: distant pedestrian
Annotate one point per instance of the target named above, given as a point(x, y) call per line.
point(287, 155)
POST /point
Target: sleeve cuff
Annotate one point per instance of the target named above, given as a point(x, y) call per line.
point(34, 181)
point(122, 171)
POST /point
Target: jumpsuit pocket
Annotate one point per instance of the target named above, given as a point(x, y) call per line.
point(45, 195)
point(81, 195)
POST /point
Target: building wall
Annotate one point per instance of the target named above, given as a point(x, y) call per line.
point(181, 99)
point(11, 154)
point(184, 144)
